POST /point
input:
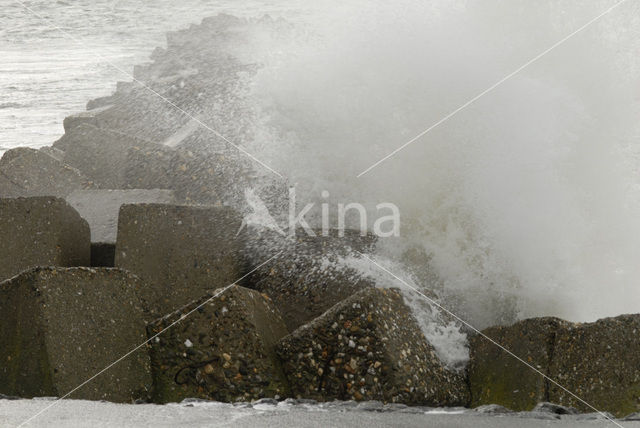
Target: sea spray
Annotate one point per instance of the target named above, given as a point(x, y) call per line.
point(523, 204)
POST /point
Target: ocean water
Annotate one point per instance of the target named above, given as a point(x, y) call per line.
point(45, 76)
point(526, 203)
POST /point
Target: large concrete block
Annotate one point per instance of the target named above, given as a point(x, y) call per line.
point(9, 189)
point(99, 154)
point(89, 117)
point(61, 326)
point(151, 167)
point(41, 231)
point(101, 207)
point(181, 251)
point(310, 274)
point(600, 363)
point(369, 347)
point(116, 160)
point(133, 111)
point(209, 177)
point(28, 172)
point(224, 351)
point(498, 378)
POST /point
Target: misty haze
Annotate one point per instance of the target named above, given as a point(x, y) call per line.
point(294, 213)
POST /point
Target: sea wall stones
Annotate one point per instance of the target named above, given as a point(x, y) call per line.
point(599, 362)
point(222, 351)
point(151, 166)
point(90, 117)
point(100, 154)
point(61, 326)
point(369, 347)
point(181, 251)
point(28, 172)
point(498, 378)
point(350, 340)
point(309, 275)
point(112, 159)
point(41, 231)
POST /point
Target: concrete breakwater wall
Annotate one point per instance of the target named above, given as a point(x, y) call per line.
point(155, 254)
point(64, 323)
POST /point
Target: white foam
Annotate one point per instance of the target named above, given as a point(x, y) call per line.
point(526, 203)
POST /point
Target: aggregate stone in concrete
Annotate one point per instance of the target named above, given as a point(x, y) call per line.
point(222, 351)
point(369, 347)
point(309, 275)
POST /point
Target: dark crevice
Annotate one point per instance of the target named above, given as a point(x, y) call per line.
point(551, 344)
point(103, 254)
point(467, 382)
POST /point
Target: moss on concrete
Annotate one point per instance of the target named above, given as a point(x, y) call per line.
point(495, 377)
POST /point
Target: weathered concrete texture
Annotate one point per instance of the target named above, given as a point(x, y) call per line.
point(369, 347)
point(498, 378)
point(98, 153)
point(133, 110)
point(28, 172)
point(101, 208)
point(41, 231)
point(197, 176)
point(116, 160)
point(181, 251)
point(135, 139)
point(9, 189)
point(223, 351)
point(151, 166)
point(61, 326)
point(203, 179)
point(308, 276)
point(90, 117)
point(599, 362)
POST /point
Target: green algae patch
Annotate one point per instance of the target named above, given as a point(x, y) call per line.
point(495, 377)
